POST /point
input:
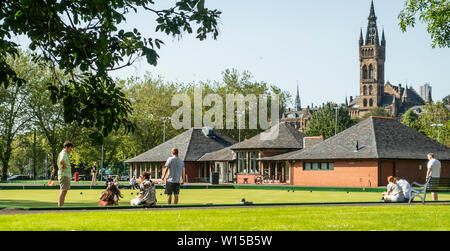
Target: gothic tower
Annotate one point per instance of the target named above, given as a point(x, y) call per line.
point(371, 58)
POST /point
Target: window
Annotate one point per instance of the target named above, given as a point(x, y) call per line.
point(364, 72)
point(365, 90)
point(153, 170)
point(253, 164)
point(160, 168)
point(242, 162)
point(315, 166)
point(370, 102)
point(371, 76)
point(318, 166)
point(365, 102)
point(307, 166)
point(370, 90)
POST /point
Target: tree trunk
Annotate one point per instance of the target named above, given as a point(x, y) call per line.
point(5, 156)
point(53, 165)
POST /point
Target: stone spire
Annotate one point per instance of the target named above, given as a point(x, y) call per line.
point(298, 103)
point(372, 30)
point(361, 39)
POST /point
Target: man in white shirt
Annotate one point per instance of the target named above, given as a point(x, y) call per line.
point(434, 170)
point(404, 184)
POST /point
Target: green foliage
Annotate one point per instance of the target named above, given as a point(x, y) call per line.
point(411, 119)
point(433, 114)
point(323, 121)
point(82, 39)
point(434, 13)
point(14, 112)
point(446, 100)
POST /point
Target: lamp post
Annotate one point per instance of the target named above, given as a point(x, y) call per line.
point(164, 119)
point(438, 127)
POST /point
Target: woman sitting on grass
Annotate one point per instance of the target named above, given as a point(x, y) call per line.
point(147, 194)
point(110, 197)
point(394, 191)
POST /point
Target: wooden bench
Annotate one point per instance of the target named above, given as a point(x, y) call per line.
point(432, 185)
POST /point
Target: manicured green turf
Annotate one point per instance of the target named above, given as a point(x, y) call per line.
point(89, 198)
point(381, 218)
point(389, 217)
point(48, 198)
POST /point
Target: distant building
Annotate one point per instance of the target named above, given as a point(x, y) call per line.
point(192, 145)
point(298, 117)
point(425, 93)
point(373, 90)
point(364, 155)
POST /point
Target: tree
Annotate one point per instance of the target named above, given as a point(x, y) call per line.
point(435, 13)
point(82, 39)
point(151, 101)
point(432, 122)
point(14, 114)
point(436, 114)
point(446, 100)
point(411, 119)
point(323, 121)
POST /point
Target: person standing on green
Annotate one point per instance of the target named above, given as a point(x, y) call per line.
point(64, 172)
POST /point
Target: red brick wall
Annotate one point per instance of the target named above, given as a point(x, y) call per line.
point(411, 171)
point(250, 178)
point(363, 173)
point(354, 173)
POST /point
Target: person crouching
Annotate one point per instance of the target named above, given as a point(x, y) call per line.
point(110, 197)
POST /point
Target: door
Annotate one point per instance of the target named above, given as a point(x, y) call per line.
point(387, 168)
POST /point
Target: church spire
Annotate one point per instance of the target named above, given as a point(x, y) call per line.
point(372, 11)
point(298, 104)
point(372, 30)
point(361, 39)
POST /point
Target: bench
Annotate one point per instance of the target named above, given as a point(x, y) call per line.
point(432, 185)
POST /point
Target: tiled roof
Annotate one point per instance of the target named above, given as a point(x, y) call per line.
point(373, 138)
point(192, 145)
point(281, 136)
point(225, 154)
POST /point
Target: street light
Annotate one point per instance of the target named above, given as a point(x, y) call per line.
point(164, 119)
point(438, 126)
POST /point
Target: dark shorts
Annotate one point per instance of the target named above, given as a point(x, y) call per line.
point(172, 188)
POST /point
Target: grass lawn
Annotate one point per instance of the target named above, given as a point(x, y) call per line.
point(75, 197)
point(357, 218)
point(361, 218)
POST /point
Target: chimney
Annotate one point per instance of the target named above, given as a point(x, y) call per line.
point(309, 142)
point(356, 146)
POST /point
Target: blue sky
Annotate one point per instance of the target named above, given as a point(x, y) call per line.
point(285, 41)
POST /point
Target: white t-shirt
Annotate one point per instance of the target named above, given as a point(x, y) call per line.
point(406, 187)
point(435, 166)
point(394, 189)
point(176, 166)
